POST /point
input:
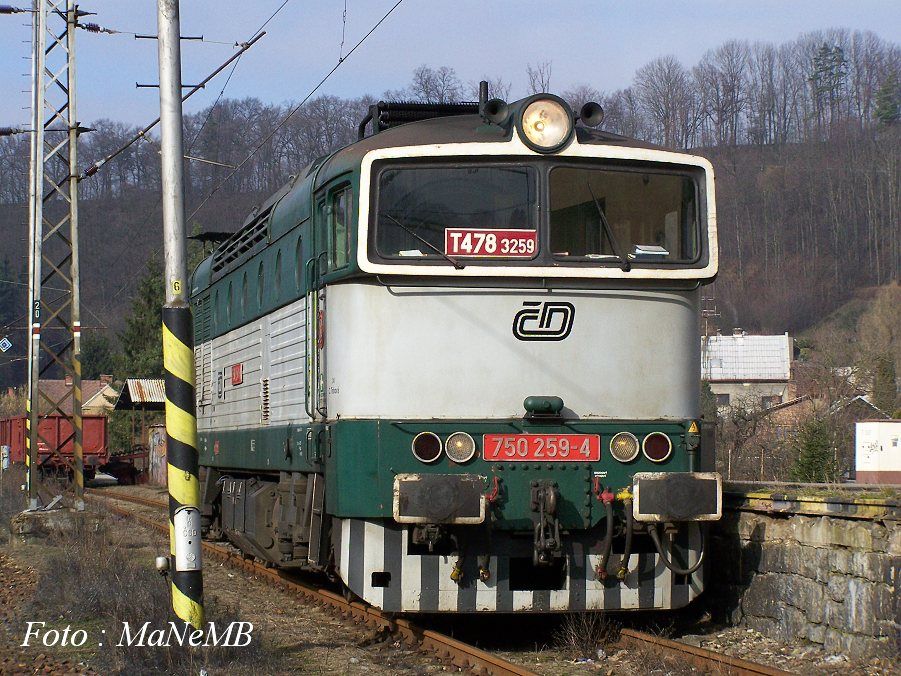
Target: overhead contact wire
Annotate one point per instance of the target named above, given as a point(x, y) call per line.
point(230, 73)
point(294, 110)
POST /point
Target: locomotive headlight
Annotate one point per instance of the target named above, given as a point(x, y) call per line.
point(657, 447)
point(460, 447)
point(426, 447)
point(546, 124)
point(624, 446)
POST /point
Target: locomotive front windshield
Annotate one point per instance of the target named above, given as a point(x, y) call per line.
point(418, 205)
point(492, 213)
point(595, 212)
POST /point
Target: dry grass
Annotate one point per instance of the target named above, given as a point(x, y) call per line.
point(595, 636)
point(580, 635)
point(98, 579)
point(12, 499)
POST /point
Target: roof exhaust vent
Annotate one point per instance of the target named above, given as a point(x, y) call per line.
point(386, 114)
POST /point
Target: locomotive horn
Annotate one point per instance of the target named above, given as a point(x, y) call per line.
point(591, 114)
point(496, 111)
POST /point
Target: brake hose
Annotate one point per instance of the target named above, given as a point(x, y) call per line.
point(601, 569)
point(627, 550)
point(655, 536)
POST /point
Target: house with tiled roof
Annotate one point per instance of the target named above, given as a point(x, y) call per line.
point(97, 396)
point(752, 371)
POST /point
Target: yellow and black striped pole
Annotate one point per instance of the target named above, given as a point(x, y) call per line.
point(181, 455)
point(30, 486)
point(77, 419)
point(178, 341)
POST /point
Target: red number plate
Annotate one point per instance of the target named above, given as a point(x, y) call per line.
point(542, 447)
point(237, 374)
point(462, 242)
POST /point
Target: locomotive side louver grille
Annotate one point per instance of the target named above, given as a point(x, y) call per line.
point(264, 403)
point(242, 242)
point(203, 351)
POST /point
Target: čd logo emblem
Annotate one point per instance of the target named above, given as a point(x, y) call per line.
point(551, 320)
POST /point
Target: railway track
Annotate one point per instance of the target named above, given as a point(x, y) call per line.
point(443, 647)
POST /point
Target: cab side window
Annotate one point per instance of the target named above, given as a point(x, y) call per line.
point(341, 207)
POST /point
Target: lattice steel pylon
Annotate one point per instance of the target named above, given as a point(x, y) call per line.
point(55, 344)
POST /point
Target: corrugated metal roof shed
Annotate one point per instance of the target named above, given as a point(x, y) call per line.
point(148, 394)
point(744, 358)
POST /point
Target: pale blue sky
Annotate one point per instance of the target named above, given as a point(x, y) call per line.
point(600, 43)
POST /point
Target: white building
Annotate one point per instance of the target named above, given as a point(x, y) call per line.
point(877, 448)
point(754, 371)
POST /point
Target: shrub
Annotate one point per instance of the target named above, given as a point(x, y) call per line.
point(815, 450)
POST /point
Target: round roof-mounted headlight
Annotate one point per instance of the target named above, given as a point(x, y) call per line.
point(546, 124)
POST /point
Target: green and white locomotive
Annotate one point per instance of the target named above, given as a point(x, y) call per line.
point(455, 365)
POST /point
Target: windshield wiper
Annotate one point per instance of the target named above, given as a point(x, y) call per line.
point(626, 265)
point(450, 259)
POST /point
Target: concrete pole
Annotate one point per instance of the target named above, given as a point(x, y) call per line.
point(71, 27)
point(178, 337)
point(36, 212)
point(32, 191)
point(174, 232)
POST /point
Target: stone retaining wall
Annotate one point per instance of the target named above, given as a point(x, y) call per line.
point(821, 569)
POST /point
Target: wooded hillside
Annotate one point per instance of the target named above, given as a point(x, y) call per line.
point(804, 136)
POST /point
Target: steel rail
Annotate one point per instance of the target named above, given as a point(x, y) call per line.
point(445, 648)
point(704, 658)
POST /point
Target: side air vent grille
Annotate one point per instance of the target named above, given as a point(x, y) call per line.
point(264, 403)
point(242, 242)
point(203, 350)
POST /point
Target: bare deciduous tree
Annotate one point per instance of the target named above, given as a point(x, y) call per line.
point(623, 114)
point(581, 94)
point(539, 77)
point(722, 81)
point(664, 88)
point(435, 85)
point(807, 176)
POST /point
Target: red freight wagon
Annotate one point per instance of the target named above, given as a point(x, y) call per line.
point(54, 430)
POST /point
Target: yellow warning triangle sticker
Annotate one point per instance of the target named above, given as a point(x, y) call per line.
point(693, 428)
